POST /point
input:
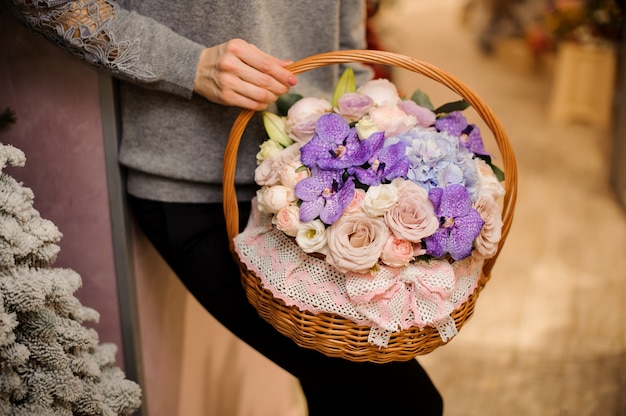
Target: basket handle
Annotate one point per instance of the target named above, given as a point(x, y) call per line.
point(231, 209)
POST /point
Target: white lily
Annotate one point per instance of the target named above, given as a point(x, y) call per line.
point(276, 128)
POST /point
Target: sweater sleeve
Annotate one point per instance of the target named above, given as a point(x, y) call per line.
point(129, 46)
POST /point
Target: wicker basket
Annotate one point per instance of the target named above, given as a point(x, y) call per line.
point(334, 335)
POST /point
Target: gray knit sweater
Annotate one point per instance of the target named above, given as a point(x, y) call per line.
point(173, 140)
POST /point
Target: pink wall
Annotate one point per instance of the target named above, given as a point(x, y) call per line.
point(56, 99)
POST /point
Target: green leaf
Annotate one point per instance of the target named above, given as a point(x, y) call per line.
point(346, 83)
point(285, 101)
point(452, 106)
point(496, 170)
point(422, 99)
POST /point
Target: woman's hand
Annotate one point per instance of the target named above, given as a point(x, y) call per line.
point(237, 73)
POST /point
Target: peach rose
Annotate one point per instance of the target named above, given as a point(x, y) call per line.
point(277, 197)
point(355, 242)
point(413, 217)
point(392, 120)
point(292, 173)
point(397, 252)
point(287, 220)
point(488, 183)
point(486, 244)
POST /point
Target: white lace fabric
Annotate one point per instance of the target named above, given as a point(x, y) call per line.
point(83, 28)
point(422, 294)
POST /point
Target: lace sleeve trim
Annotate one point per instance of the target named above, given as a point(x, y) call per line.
point(84, 28)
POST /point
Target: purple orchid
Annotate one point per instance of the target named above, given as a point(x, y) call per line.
point(335, 145)
point(469, 134)
point(385, 164)
point(324, 195)
point(460, 223)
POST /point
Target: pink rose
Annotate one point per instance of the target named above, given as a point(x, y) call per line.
point(265, 174)
point(418, 250)
point(268, 172)
point(424, 117)
point(357, 201)
point(391, 119)
point(287, 220)
point(397, 252)
point(382, 91)
point(413, 217)
point(352, 106)
point(303, 115)
point(486, 244)
point(355, 242)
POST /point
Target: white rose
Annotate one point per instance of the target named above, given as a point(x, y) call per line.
point(260, 197)
point(277, 197)
point(382, 91)
point(287, 220)
point(311, 237)
point(379, 199)
point(268, 149)
point(488, 183)
point(303, 115)
point(365, 127)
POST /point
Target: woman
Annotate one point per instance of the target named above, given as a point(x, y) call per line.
point(186, 69)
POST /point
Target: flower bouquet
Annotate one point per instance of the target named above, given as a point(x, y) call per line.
point(373, 209)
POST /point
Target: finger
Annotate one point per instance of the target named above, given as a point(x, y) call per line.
point(267, 64)
point(266, 85)
point(236, 91)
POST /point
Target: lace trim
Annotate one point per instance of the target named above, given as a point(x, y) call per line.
point(423, 294)
point(83, 28)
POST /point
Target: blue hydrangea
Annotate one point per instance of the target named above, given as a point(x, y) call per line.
point(437, 159)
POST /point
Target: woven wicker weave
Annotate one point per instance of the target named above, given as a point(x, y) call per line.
point(330, 334)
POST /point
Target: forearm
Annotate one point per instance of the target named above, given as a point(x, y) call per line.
point(127, 45)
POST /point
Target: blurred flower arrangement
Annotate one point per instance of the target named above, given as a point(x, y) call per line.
point(586, 21)
point(372, 181)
